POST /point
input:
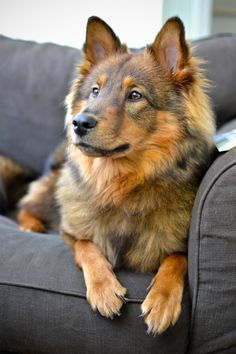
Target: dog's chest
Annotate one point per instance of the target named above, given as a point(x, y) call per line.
point(134, 237)
point(137, 241)
point(115, 233)
point(115, 247)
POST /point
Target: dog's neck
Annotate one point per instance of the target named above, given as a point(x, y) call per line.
point(112, 181)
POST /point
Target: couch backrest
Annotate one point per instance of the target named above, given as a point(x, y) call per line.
point(35, 78)
point(219, 53)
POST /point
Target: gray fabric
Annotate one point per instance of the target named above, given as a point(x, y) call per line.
point(212, 261)
point(44, 310)
point(219, 52)
point(34, 80)
point(228, 126)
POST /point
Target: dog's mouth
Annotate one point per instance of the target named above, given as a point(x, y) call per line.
point(90, 150)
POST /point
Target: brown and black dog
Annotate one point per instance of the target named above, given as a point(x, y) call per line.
point(140, 132)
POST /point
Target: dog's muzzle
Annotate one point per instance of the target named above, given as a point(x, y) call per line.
point(83, 124)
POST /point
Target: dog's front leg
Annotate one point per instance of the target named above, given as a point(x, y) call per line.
point(104, 292)
point(162, 306)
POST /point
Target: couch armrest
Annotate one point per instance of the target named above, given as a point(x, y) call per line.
point(212, 261)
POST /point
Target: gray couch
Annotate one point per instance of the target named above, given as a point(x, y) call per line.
point(43, 307)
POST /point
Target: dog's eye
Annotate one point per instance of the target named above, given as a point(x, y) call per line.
point(134, 96)
point(95, 91)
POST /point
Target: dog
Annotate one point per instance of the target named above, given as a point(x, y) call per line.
point(139, 138)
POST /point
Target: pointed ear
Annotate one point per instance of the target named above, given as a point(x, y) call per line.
point(101, 41)
point(170, 47)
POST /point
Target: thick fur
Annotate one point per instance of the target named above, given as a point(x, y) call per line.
point(128, 186)
point(38, 209)
point(14, 180)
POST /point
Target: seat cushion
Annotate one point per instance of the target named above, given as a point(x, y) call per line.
point(44, 308)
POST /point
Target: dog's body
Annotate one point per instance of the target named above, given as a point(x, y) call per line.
point(140, 131)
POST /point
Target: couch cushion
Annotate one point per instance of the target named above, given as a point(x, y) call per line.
point(212, 261)
point(44, 309)
point(34, 80)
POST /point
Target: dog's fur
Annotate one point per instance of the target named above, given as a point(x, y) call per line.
point(14, 180)
point(127, 189)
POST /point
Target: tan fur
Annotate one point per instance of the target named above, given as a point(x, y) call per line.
point(162, 305)
point(102, 80)
point(14, 180)
point(37, 208)
point(10, 169)
point(104, 292)
point(28, 222)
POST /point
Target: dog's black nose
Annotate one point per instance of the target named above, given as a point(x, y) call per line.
point(83, 123)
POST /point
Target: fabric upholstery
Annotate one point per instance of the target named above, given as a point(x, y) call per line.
point(44, 309)
point(212, 261)
point(228, 126)
point(219, 53)
point(34, 80)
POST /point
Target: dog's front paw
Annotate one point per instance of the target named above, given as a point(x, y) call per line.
point(106, 294)
point(162, 307)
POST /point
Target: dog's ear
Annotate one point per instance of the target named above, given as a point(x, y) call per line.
point(101, 41)
point(170, 47)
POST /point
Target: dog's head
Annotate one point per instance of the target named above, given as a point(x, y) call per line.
point(123, 103)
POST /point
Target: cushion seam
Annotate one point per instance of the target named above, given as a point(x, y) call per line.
point(61, 292)
point(226, 348)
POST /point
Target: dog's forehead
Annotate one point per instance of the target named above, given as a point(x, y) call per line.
point(119, 67)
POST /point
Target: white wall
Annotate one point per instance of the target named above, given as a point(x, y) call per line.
point(63, 21)
point(224, 16)
point(196, 15)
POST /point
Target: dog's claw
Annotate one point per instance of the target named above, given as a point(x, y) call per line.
point(122, 298)
point(150, 285)
point(143, 314)
point(149, 330)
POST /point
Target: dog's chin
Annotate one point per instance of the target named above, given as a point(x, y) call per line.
point(94, 151)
